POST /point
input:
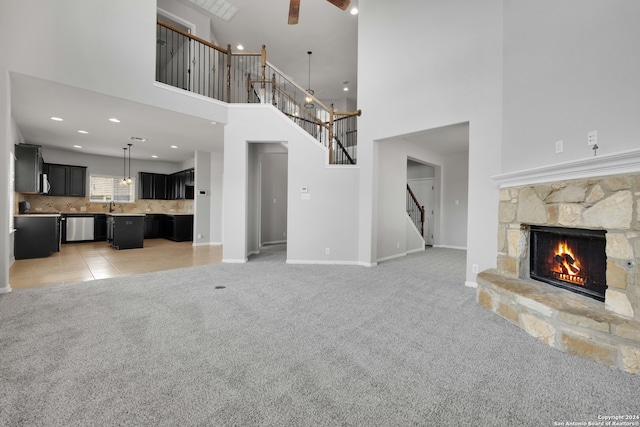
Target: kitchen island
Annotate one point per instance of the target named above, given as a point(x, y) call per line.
point(125, 230)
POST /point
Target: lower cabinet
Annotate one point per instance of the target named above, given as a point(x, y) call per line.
point(36, 236)
point(153, 226)
point(125, 232)
point(178, 228)
point(100, 228)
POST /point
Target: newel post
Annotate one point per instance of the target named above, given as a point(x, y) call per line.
point(331, 134)
point(263, 64)
point(228, 73)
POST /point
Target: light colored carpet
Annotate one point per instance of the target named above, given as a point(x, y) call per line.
point(403, 343)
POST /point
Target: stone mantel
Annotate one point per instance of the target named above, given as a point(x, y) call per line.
point(623, 162)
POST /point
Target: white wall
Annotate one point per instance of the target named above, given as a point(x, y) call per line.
point(202, 202)
point(215, 220)
point(570, 67)
point(455, 194)
point(327, 220)
point(449, 71)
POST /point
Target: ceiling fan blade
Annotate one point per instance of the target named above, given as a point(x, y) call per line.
point(342, 4)
point(294, 11)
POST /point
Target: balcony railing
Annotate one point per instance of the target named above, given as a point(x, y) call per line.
point(196, 65)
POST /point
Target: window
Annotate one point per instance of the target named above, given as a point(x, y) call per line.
point(108, 189)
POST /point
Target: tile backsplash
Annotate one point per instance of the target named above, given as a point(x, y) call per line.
point(82, 204)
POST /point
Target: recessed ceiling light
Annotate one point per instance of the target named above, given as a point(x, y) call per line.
point(354, 11)
point(240, 47)
point(77, 146)
point(346, 89)
point(56, 119)
point(84, 132)
point(214, 123)
point(174, 146)
point(138, 139)
point(154, 156)
point(114, 120)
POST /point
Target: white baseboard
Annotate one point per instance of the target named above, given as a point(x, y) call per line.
point(462, 248)
point(6, 289)
point(412, 251)
point(234, 261)
point(471, 284)
point(275, 242)
point(387, 258)
point(367, 264)
point(322, 262)
point(208, 244)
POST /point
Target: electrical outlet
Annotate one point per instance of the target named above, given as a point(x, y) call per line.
point(474, 268)
point(592, 137)
point(327, 251)
point(397, 245)
point(559, 146)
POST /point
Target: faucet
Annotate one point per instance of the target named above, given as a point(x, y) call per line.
point(112, 206)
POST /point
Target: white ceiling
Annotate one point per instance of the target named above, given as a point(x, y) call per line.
point(34, 101)
point(330, 33)
point(444, 140)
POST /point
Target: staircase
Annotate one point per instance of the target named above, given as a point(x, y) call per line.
point(196, 65)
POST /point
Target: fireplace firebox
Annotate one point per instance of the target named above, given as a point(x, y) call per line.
point(569, 258)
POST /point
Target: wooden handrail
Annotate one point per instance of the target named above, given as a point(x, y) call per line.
point(192, 37)
point(422, 210)
point(293, 83)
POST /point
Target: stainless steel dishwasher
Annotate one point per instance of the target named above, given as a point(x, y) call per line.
point(79, 228)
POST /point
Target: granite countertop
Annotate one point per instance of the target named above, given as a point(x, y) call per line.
point(37, 215)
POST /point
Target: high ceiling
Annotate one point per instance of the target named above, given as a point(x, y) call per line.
point(330, 33)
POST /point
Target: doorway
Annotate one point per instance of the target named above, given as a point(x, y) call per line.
point(424, 190)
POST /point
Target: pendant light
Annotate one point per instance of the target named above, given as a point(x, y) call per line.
point(308, 101)
point(124, 166)
point(129, 180)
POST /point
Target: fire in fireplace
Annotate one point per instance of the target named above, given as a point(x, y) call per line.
point(570, 258)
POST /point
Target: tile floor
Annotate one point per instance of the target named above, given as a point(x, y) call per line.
point(79, 262)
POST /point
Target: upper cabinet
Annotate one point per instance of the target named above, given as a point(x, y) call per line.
point(66, 180)
point(166, 187)
point(29, 169)
point(152, 186)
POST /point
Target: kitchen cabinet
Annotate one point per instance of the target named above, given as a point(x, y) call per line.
point(176, 186)
point(125, 231)
point(178, 228)
point(36, 236)
point(29, 169)
point(66, 180)
point(100, 228)
point(153, 226)
point(152, 186)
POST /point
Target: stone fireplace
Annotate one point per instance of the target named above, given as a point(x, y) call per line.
point(567, 297)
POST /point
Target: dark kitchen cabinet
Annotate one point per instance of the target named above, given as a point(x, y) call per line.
point(125, 231)
point(29, 168)
point(153, 186)
point(66, 180)
point(153, 226)
point(37, 236)
point(176, 186)
point(100, 228)
point(178, 228)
